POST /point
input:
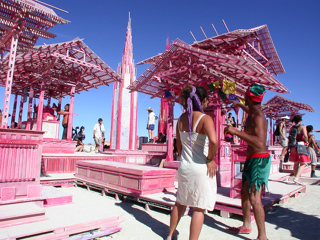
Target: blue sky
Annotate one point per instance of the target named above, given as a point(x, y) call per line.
point(293, 25)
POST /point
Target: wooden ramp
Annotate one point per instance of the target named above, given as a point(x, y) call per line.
point(82, 220)
point(280, 192)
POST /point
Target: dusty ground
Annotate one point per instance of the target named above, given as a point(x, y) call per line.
point(297, 219)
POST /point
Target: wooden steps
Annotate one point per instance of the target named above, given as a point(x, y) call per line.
point(20, 213)
point(54, 196)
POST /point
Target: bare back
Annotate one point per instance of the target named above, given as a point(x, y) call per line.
point(257, 125)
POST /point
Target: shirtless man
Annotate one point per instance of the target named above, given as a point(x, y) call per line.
point(257, 166)
point(65, 119)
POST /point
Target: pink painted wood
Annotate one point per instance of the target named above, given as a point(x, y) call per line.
point(40, 108)
point(70, 117)
point(20, 161)
point(170, 132)
point(163, 116)
point(7, 93)
point(130, 179)
point(238, 155)
point(29, 117)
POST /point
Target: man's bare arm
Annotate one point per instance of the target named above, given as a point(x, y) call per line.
point(242, 106)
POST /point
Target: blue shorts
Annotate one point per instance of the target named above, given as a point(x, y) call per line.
point(151, 127)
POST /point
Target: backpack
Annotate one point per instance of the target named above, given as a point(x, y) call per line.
point(293, 135)
point(277, 131)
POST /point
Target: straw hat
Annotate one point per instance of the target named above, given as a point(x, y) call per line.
point(150, 109)
point(285, 117)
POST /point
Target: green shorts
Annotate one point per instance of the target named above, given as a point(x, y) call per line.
point(256, 170)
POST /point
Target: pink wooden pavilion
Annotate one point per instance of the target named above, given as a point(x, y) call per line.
point(279, 106)
point(240, 57)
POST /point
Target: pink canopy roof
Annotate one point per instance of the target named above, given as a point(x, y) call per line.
point(279, 106)
point(241, 56)
point(27, 19)
point(61, 66)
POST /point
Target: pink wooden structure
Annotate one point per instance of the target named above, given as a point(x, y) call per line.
point(123, 134)
point(279, 106)
point(129, 179)
point(240, 57)
point(20, 161)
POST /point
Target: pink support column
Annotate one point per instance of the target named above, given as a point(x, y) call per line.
point(29, 117)
point(112, 115)
point(170, 132)
point(13, 116)
point(20, 113)
point(7, 93)
point(40, 108)
point(70, 117)
point(163, 117)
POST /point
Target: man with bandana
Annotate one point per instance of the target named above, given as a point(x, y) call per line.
point(257, 166)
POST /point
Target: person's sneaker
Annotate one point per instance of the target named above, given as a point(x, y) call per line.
point(296, 181)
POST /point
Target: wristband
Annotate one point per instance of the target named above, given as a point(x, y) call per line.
point(209, 160)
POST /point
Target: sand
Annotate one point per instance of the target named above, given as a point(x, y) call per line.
point(297, 219)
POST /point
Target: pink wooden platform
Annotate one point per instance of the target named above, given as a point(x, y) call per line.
point(20, 160)
point(56, 146)
point(130, 179)
point(279, 192)
point(54, 197)
point(20, 213)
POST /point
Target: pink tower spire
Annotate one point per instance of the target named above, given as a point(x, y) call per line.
point(124, 106)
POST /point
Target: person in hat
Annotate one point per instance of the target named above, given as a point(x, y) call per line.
point(150, 123)
point(258, 162)
point(282, 135)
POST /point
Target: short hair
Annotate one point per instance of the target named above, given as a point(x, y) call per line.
point(309, 128)
point(100, 119)
point(296, 119)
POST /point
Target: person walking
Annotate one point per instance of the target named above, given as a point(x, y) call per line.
point(298, 142)
point(197, 145)
point(258, 162)
point(98, 134)
point(282, 135)
point(150, 123)
point(312, 150)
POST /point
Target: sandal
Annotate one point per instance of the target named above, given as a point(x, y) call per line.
point(239, 230)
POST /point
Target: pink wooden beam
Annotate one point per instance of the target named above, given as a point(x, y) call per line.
point(29, 117)
point(170, 132)
point(70, 117)
point(13, 116)
point(59, 107)
point(40, 108)
point(20, 113)
point(7, 93)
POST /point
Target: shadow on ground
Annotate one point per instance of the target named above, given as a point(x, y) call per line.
point(142, 216)
point(301, 226)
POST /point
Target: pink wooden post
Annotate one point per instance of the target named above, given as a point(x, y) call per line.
point(29, 117)
point(70, 117)
point(13, 116)
point(40, 108)
point(170, 132)
point(7, 93)
point(20, 112)
point(163, 117)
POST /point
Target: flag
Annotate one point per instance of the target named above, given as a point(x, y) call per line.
point(233, 97)
point(229, 87)
point(222, 95)
point(211, 87)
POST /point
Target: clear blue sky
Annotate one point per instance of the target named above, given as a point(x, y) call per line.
point(293, 25)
